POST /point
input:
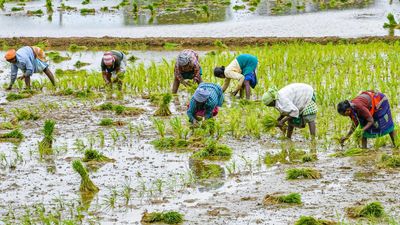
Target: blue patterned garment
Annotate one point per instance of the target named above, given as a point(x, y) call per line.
point(216, 99)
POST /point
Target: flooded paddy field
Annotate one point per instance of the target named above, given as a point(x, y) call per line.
point(216, 18)
point(40, 187)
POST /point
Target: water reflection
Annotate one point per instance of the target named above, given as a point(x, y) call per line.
point(208, 176)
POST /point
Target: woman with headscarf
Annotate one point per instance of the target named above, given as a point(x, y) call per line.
point(113, 66)
point(205, 102)
point(242, 69)
point(29, 60)
point(187, 66)
point(296, 104)
point(370, 110)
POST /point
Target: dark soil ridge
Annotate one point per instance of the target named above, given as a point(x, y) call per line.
point(94, 43)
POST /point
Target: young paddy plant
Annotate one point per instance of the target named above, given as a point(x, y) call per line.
point(302, 173)
point(92, 155)
point(14, 135)
point(370, 210)
point(293, 198)
point(46, 145)
point(170, 217)
point(309, 220)
point(213, 151)
point(163, 109)
point(86, 183)
point(25, 114)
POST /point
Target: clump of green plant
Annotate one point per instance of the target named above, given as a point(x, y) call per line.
point(238, 7)
point(293, 198)
point(170, 46)
point(285, 156)
point(213, 151)
point(2, 4)
point(49, 6)
point(392, 23)
point(14, 134)
point(7, 126)
point(206, 171)
point(163, 109)
point(350, 152)
point(269, 122)
point(170, 217)
point(302, 173)
point(392, 161)
point(38, 12)
point(120, 109)
point(56, 57)
point(309, 158)
point(24, 114)
point(17, 96)
point(309, 220)
point(85, 2)
point(94, 155)
point(80, 64)
point(170, 143)
point(86, 11)
point(371, 210)
point(132, 58)
point(16, 9)
point(46, 145)
point(106, 122)
point(220, 44)
point(77, 48)
point(86, 184)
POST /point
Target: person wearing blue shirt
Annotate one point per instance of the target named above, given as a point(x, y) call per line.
point(29, 60)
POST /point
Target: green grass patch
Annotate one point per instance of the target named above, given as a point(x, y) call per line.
point(370, 210)
point(213, 151)
point(302, 173)
point(171, 217)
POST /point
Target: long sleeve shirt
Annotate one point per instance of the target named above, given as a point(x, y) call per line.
point(194, 66)
point(25, 61)
point(293, 98)
point(216, 99)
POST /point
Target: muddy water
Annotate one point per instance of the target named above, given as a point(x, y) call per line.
point(367, 21)
point(235, 200)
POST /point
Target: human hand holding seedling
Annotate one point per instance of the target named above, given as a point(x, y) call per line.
point(184, 82)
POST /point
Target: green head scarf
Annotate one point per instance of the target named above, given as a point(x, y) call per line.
point(270, 95)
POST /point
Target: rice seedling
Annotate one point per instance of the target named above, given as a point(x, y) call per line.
point(309, 220)
point(92, 155)
point(206, 171)
point(17, 9)
point(170, 46)
point(7, 126)
point(46, 145)
point(392, 23)
point(309, 158)
point(269, 122)
point(2, 4)
point(56, 57)
point(171, 144)
point(49, 6)
point(38, 12)
point(213, 151)
point(293, 198)
point(302, 173)
point(132, 58)
point(163, 109)
point(171, 217)
point(106, 122)
point(17, 96)
point(77, 48)
point(285, 156)
point(370, 210)
point(24, 114)
point(127, 192)
point(13, 135)
point(111, 199)
point(80, 64)
point(391, 161)
point(85, 2)
point(238, 7)
point(86, 184)
point(351, 152)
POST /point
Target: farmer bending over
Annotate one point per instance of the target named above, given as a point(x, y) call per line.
point(296, 103)
point(113, 65)
point(205, 102)
point(242, 69)
point(186, 67)
point(29, 60)
point(370, 110)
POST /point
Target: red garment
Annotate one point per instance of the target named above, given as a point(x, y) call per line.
point(364, 105)
point(194, 66)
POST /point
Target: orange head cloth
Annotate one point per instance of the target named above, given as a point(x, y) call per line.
point(10, 54)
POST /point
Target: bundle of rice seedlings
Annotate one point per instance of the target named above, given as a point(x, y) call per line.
point(206, 171)
point(24, 114)
point(309, 220)
point(302, 173)
point(14, 134)
point(269, 122)
point(293, 198)
point(106, 122)
point(350, 152)
point(309, 158)
point(213, 151)
point(285, 156)
point(170, 217)
point(7, 126)
point(46, 145)
point(392, 161)
point(163, 109)
point(94, 155)
point(373, 209)
point(86, 184)
point(130, 111)
point(17, 96)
